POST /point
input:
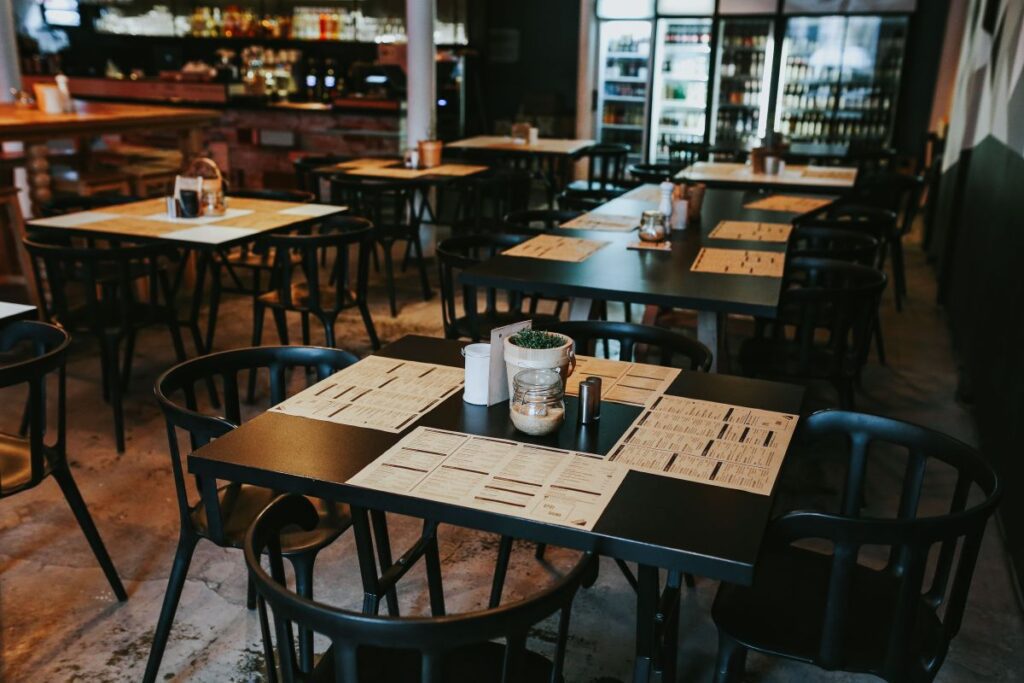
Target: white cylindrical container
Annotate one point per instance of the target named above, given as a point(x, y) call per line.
point(679, 209)
point(478, 371)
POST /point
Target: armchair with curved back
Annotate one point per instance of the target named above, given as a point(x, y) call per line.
point(430, 649)
point(883, 595)
point(223, 514)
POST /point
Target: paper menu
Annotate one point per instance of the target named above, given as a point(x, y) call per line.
point(709, 443)
point(751, 231)
point(377, 393)
point(554, 248)
point(600, 221)
point(621, 381)
point(533, 482)
point(739, 262)
point(788, 203)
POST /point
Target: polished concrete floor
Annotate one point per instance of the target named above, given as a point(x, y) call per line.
point(60, 622)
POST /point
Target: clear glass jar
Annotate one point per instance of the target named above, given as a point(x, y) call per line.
point(538, 401)
point(652, 226)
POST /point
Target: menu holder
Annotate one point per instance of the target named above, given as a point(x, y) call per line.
point(622, 381)
point(538, 483)
point(788, 204)
point(708, 443)
point(377, 393)
point(555, 248)
point(739, 262)
point(650, 246)
point(603, 221)
point(497, 379)
point(751, 231)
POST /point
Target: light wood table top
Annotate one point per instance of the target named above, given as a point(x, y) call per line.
point(148, 220)
point(808, 178)
point(90, 118)
point(556, 146)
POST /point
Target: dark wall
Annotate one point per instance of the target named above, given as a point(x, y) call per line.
point(540, 85)
point(923, 54)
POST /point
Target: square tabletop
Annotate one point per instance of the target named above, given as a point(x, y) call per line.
point(654, 520)
point(393, 168)
point(803, 178)
point(11, 311)
point(660, 278)
point(147, 220)
point(545, 146)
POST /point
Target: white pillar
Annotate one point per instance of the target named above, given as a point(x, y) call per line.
point(10, 76)
point(421, 72)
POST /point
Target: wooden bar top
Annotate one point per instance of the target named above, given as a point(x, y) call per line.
point(29, 124)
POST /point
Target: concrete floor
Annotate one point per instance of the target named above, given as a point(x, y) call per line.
point(60, 622)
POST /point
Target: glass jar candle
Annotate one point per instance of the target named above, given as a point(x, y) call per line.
point(652, 226)
point(538, 401)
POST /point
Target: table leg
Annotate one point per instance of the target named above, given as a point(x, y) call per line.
point(367, 563)
point(202, 264)
point(711, 333)
point(383, 543)
point(38, 168)
point(646, 622)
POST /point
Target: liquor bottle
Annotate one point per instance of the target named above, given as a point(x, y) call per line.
point(330, 81)
point(312, 81)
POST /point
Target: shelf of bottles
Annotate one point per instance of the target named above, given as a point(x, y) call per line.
point(840, 79)
point(743, 82)
point(682, 61)
point(622, 86)
point(306, 23)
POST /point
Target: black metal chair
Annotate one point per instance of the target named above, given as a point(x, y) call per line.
point(684, 154)
point(534, 221)
point(454, 255)
point(666, 346)
point(365, 647)
point(827, 313)
point(482, 199)
point(582, 200)
point(814, 241)
point(223, 514)
point(305, 166)
point(654, 173)
point(883, 595)
point(29, 353)
point(274, 194)
point(391, 206)
point(69, 203)
point(333, 242)
point(93, 290)
point(606, 171)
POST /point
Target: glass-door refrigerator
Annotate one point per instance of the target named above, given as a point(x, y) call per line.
point(679, 87)
point(622, 77)
point(840, 79)
point(743, 73)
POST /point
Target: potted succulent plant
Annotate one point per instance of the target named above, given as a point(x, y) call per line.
point(535, 350)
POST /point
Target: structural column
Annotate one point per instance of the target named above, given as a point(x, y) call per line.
point(421, 71)
point(9, 73)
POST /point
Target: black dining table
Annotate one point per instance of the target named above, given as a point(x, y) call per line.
point(656, 278)
point(657, 522)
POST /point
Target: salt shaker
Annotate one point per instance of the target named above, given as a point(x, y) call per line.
point(590, 400)
point(666, 204)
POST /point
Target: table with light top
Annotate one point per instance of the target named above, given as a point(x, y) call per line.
point(209, 236)
point(806, 179)
point(549, 158)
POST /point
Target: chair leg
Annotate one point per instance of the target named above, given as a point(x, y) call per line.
point(176, 581)
point(281, 321)
point(303, 565)
point(305, 327)
point(539, 552)
point(383, 542)
point(211, 321)
point(250, 594)
point(500, 571)
point(114, 382)
point(424, 279)
point(899, 274)
point(129, 352)
point(389, 276)
point(268, 644)
point(879, 344)
point(371, 331)
point(732, 660)
point(432, 559)
point(258, 312)
point(329, 338)
point(74, 497)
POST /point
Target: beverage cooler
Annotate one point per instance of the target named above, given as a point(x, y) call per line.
point(840, 79)
point(679, 90)
point(743, 69)
point(623, 69)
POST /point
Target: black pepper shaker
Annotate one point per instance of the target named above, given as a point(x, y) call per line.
point(590, 400)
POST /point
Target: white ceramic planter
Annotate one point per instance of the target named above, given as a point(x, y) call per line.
point(561, 358)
